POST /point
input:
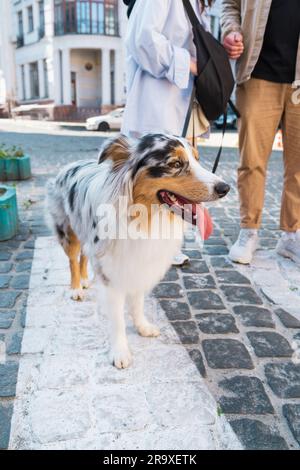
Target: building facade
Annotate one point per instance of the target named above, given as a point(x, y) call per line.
point(7, 62)
point(63, 59)
point(69, 56)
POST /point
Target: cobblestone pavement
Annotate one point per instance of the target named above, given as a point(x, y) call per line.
point(161, 402)
point(240, 325)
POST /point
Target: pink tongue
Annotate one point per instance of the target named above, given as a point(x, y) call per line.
point(204, 222)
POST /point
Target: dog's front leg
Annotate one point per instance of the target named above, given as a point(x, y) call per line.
point(120, 354)
point(136, 308)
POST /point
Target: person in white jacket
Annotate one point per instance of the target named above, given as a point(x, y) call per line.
point(161, 66)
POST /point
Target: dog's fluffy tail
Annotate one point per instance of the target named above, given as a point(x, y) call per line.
point(48, 203)
point(54, 207)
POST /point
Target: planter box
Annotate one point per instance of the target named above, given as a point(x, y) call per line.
point(8, 212)
point(17, 168)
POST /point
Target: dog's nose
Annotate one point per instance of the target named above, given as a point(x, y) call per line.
point(222, 189)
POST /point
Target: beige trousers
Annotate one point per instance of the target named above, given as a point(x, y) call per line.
point(263, 105)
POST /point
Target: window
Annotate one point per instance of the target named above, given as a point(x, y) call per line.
point(111, 19)
point(86, 17)
point(58, 17)
point(30, 19)
point(97, 15)
point(23, 82)
point(20, 24)
point(70, 22)
point(46, 82)
point(20, 37)
point(34, 80)
point(42, 18)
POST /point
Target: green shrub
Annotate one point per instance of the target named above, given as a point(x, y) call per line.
point(11, 152)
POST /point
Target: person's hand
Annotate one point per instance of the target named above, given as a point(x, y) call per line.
point(234, 45)
point(194, 67)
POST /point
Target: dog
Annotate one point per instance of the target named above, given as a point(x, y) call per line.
point(158, 175)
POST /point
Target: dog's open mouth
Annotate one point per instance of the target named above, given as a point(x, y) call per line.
point(194, 213)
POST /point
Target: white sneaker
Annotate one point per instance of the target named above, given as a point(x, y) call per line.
point(244, 248)
point(180, 260)
point(289, 246)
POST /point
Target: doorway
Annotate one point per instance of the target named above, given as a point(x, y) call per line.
point(74, 88)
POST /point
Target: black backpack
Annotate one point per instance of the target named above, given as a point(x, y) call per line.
point(215, 83)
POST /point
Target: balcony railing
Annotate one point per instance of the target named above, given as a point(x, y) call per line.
point(86, 27)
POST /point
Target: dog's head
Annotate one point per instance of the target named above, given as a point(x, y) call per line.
point(166, 170)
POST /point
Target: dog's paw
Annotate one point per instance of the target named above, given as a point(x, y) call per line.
point(77, 294)
point(148, 330)
point(121, 357)
point(85, 283)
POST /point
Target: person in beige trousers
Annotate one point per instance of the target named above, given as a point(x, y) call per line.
point(264, 37)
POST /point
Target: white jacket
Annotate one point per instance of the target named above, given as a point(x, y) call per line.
point(159, 45)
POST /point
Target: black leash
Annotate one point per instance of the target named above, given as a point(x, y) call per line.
point(218, 157)
point(236, 112)
point(186, 126)
point(224, 127)
point(234, 108)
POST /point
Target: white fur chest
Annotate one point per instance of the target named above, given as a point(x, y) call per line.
point(138, 265)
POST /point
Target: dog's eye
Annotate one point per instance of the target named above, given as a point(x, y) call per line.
point(176, 165)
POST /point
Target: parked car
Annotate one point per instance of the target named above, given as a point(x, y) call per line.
point(106, 122)
point(231, 120)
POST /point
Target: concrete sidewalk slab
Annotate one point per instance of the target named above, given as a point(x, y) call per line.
point(278, 279)
point(68, 395)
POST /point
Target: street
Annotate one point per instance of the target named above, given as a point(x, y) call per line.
point(235, 331)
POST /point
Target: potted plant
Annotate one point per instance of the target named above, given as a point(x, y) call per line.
point(14, 164)
point(8, 212)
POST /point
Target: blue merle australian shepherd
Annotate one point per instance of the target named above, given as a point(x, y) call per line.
point(155, 175)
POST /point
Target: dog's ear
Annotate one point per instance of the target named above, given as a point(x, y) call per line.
point(117, 150)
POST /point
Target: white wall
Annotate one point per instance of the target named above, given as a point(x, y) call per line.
point(7, 66)
point(88, 82)
point(35, 50)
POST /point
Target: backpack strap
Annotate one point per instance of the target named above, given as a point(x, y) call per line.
point(130, 4)
point(191, 13)
point(189, 113)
